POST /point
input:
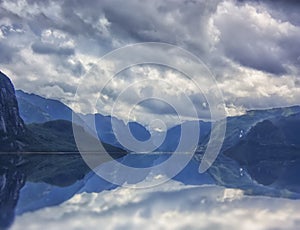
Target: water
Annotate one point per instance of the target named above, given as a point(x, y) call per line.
point(34, 181)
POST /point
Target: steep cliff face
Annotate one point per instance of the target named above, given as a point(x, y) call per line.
point(11, 182)
point(11, 124)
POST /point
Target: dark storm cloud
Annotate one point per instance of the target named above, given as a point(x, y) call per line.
point(254, 39)
point(181, 22)
point(73, 24)
point(39, 2)
point(43, 48)
point(76, 68)
point(255, 56)
point(149, 22)
point(234, 38)
point(39, 22)
point(286, 10)
point(281, 3)
point(4, 13)
point(6, 53)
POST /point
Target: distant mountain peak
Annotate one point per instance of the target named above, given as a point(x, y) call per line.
point(36, 109)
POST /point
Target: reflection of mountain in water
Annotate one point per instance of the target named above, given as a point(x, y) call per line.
point(11, 181)
point(271, 152)
point(14, 169)
point(53, 179)
point(16, 137)
point(260, 154)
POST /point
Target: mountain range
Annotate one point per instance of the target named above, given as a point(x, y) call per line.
point(250, 138)
point(16, 138)
point(260, 153)
point(37, 109)
point(55, 135)
point(265, 143)
point(270, 152)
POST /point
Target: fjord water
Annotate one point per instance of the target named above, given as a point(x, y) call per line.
point(259, 157)
point(35, 181)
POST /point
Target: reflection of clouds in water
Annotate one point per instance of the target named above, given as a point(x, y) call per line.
point(169, 206)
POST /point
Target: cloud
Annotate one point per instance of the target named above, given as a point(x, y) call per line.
point(281, 9)
point(7, 53)
point(260, 42)
point(43, 48)
point(44, 43)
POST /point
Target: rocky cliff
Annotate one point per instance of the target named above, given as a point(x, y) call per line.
point(11, 124)
point(11, 182)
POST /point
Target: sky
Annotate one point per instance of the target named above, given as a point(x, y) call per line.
point(250, 47)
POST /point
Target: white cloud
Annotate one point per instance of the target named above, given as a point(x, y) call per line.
point(259, 90)
point(245, 44)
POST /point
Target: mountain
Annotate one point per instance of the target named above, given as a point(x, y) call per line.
point(36, 109)
point(238, 126)
point(52, 136)
point(11, 127)
point(105, 130)
point(173, 135)
point(11, 124)
point(270, 152)
point(106, 133)
point(57, 136)
point(261, 151)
